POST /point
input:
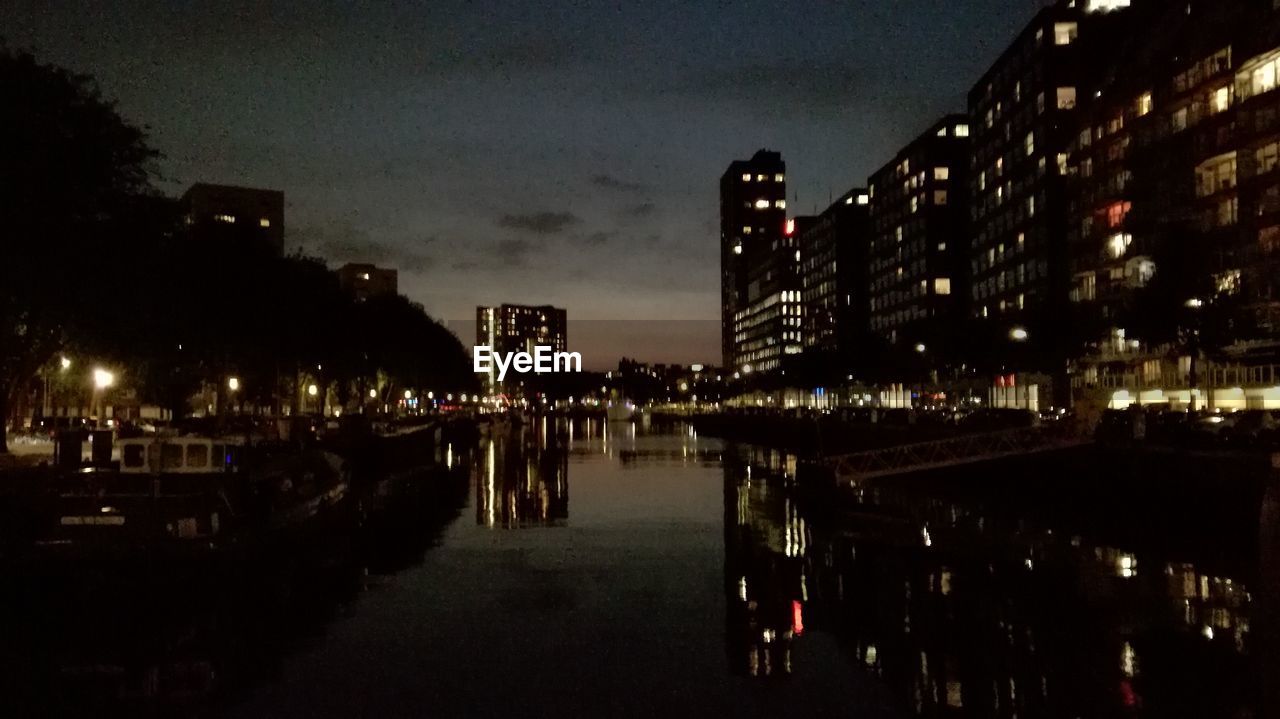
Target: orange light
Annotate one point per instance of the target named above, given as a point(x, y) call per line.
point(791, 227)
point(797, 618)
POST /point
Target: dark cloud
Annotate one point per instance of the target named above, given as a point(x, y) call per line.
point(513, 253)
point(542, 223)
point(339, 243)
point(643, 209)
point(594, 239)
point(609, 182)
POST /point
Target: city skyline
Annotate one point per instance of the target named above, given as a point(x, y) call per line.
point(496, 166)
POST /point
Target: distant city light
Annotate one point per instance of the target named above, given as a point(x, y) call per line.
point(920, 348)
point(313, 390)
point(408, 394)
point(1018, 334)
point(373, 394)
point(1195, 303)
point(233, 383)
point(66, 363)
point(431, 395)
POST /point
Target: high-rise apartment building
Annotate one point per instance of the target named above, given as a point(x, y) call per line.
point(919, 229)
point(520, 328)
point(239, 218)
point(833, 289)
point(759, 283)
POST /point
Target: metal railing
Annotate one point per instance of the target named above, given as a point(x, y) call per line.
point(965, 449)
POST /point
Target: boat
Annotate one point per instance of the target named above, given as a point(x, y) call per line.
point(186, 497)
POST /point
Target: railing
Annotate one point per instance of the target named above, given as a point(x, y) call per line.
point(950, 452)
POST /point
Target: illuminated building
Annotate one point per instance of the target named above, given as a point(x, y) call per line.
point(1174, 170)
point(916, 265)
point(1023, 118)
point(363, 281)
point(833, 277)
point(244, 219)
point(520, 328)
point(759, 270)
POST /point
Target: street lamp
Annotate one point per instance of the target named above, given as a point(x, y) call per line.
point(312, 390)
point(408, 394)
point(373, 394)
point(920, 348)
point(103, 379)
point(233, 383)
point(66, 363)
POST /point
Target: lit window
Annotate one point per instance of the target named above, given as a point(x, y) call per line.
point(942, 286)
point(762, 204)
point(780, 204)
point(1105, 5)
point(746, 177)
point(862, 199)
point(737, 249)
point(746, 230)
point(939, 197)
point(1219, 99)
point(1066, 98)
point(1116, 213)
point(364, 276)
point(1178, 120)
point(778, 177)
point(264, 222)
point(1118, 243)
point(229, 219)
point(941, 173)
point(1064, 33)
point(1029, 143)
point(961, 131)
point(1144, 104)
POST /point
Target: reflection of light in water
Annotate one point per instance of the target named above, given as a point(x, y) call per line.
point(489, 487)
point(1128, 660)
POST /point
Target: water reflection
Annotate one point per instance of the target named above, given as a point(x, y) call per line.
point(966, 606)
point(185, 640)
point(524, 478)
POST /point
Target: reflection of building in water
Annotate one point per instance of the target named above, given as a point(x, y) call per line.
point(764, 575)
point(522, 484)
point(961, 611)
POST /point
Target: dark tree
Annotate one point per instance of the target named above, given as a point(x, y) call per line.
point(72, 169)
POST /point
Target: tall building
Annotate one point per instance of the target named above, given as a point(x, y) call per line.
point(833, 288)
point(520, 328)
point(1023, 119)
point(759, 270)
point(1176, 223)
point(919, 250)
point(362, 281)
point(240, 218)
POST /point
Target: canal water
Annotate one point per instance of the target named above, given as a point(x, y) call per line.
point(597, 569)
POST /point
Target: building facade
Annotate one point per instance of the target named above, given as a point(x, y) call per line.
point(833, 288)
point(919, 238)
point(1176, 213)
point(243, 219)
point(1024, 117)
point(519, 328)
point(362, 281)
point(759, 282)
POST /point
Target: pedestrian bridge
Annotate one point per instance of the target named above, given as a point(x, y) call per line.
point(938, 454)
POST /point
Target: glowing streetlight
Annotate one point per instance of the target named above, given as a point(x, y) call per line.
point(920, 348)
point(408, 394)
point(373, 394)
point(66, 363)
point(746, 369)
point(431, 395)
point(1018, 334)
point(233, 383)
point(312, 390)
point(103, 379)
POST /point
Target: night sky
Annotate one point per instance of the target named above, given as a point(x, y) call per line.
point(564, 153)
